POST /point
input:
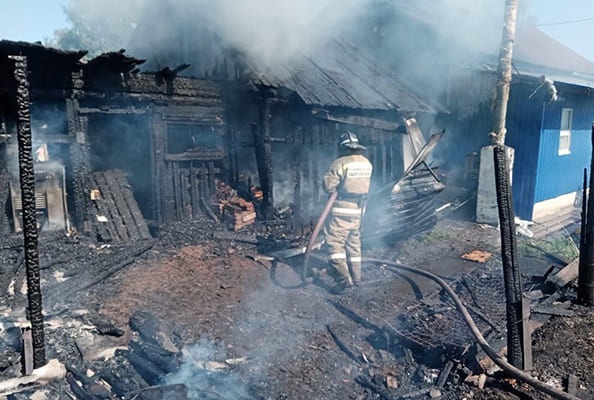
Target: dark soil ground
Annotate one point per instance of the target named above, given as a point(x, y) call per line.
point(248, 331)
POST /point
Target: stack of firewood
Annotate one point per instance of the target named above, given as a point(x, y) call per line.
point(239, 213)
point(233, 209)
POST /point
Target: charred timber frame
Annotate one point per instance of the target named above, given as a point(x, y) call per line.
point(263, 149)
point(176, 178)
point(27, 182)
point(163, 193)
point(164, 99)
point(79, 154)
point(4, 192)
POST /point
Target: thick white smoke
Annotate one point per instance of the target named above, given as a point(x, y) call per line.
point(274, 31)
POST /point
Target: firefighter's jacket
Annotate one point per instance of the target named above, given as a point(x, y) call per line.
point(350, 176)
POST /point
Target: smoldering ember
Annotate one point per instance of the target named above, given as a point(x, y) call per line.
point(161, 225)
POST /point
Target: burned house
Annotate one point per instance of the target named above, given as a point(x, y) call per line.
point(127, 142)
point(301, 110)
point(150, 148)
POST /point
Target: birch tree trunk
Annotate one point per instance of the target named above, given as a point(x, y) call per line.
point(504, 71)
point(511, 273)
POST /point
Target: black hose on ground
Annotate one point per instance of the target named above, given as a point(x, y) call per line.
point(501, 362)
point(314, 236)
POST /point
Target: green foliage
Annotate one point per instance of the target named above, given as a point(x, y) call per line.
point(437, 235)
point(94, 27)
point(562, 246)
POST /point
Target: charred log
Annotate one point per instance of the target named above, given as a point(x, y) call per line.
point(150, 372)
point(27, 181)
point(78, 390)
point(511, 272)
point(88, 386)
point(167, 392)
point(164, 359)
point(121, 384)
point(146, 324)
point(104, 326)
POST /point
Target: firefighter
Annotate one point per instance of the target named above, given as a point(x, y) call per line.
point(350, 176)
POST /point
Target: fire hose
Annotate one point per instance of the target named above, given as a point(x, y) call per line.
point(500, 361)
point(314, 235)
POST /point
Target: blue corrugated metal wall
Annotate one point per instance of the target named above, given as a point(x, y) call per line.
point(562, 174)
point(523, 134)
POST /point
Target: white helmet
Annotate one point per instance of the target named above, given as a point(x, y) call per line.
point(350, 141)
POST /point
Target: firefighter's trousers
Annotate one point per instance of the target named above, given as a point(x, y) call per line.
point(343, 242)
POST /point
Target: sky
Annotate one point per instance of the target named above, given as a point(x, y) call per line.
point(571, 22)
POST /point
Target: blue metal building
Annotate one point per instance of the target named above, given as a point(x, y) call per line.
point(549, 120)
point(549, 125)
point(552, 142)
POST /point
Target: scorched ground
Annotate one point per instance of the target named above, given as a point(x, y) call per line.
point(197, 313)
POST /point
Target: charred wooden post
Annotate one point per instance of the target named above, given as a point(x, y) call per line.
point(297, 188)
point(233, 157)
point(81, 165)
point(315, 172)
point(158, 166)
point(4, 183)
point(4, 199)
point(511, 271)
point(586, 266)
point(263, 150)
point(168, 193)
point(79, 154)
point(27, 181)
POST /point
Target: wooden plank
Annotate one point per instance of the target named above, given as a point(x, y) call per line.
point(566, 275)
point(168, 194)
point(526, 335)
point(117, 189)
point(55, 209)
point(572, 384)
point(176, 191)
point(105, 230)
point(27, 350)
point(185, 193)
point(195, 192)
point(132, 205)
point(110, 206)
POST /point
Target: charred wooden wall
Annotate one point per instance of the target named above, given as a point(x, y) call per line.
point(174, 136)
point(179, 125)
point(303, 144)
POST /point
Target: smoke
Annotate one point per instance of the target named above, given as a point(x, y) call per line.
point(272, 33)
point(268, 331)
point(200, 31)
point(205, 376)
point(417, 41)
